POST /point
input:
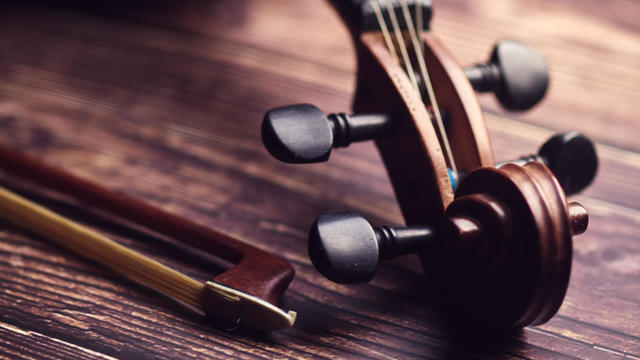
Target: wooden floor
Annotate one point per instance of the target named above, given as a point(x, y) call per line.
point(173, 117)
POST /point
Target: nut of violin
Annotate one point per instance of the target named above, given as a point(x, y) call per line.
point(297, 134)
point(578, 218)
point(573, 160)
point(343, 247)
point(516, 73)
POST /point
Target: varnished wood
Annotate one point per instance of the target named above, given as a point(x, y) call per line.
point(130, 125)
point(412, 155)
point(467, 133)
point(534, 255)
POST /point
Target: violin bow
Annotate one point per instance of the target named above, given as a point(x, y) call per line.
point(246, 295)
point(495, 240)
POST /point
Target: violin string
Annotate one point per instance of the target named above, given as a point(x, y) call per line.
point(385, 31)
point(401, 44)
point(419, 23)
point(426, 79)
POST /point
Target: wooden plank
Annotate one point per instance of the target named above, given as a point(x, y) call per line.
point(16, 343)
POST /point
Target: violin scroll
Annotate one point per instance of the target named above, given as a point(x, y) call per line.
point(508, 230)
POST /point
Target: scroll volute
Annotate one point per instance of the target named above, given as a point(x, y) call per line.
point(412, 154)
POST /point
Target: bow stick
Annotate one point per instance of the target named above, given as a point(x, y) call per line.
point(246, 295)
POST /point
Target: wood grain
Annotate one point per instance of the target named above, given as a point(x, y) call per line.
point(173, 116)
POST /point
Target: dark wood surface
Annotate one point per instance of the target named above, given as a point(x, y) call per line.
point(172, 116)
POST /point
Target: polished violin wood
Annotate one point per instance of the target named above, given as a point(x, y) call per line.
point(175, 122)
point(413, 156)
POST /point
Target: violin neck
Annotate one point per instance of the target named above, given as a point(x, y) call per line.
point(360, 16)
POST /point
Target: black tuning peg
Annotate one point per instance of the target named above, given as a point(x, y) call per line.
point(303, 134)
point(570, 156)
point(346, 249)
point(516, 73)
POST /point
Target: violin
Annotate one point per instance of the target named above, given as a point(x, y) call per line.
point(494, 240)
